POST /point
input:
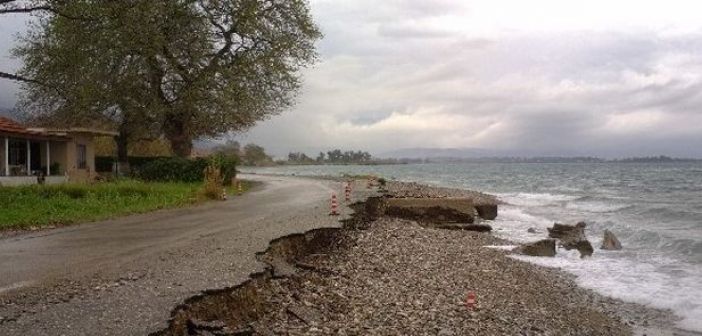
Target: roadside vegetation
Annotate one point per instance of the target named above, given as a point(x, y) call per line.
point(157, 184)
point(36, 206)
point(26, 207)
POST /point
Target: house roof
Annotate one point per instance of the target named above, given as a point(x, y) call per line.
point(80, 130)
point(9, 127)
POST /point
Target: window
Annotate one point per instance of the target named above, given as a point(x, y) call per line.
point(81, 156)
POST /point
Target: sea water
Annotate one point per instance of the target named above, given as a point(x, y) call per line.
point(654, 209)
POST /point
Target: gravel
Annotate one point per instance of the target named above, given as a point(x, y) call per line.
point(399, 278)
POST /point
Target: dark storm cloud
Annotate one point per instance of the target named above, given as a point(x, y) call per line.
point(415, 73)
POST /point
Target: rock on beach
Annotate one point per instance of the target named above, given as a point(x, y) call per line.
point(572, 237)
point(541, 248)
point(610, 241)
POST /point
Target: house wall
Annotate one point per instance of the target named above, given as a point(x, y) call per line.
point(65, 153)
point(74, 173)
point(59, 155)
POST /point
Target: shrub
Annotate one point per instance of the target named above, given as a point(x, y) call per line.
point(104, 164)
point(213, 188)
point(173, 169)
point(227, 167)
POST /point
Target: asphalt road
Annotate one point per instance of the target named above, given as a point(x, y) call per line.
point(123, 276)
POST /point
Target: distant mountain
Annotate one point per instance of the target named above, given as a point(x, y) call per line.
point(432, 153)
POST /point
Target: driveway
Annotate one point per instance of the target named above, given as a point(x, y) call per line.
point(123, 276)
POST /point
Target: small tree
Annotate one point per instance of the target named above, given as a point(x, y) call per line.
point(255, 155)
point(192, 68)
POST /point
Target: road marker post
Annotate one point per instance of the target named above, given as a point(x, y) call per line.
point(334, 211)
point(348, 192)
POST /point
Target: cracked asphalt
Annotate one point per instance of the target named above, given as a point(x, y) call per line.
point(124, 276)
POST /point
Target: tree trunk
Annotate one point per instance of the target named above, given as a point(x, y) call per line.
point(181, 145)
point(181, 141)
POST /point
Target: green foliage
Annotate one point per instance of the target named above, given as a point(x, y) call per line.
point(255, 155)
point(174, 169)
point(104, 164)
point(337, 156)
point(230, 148)
point(300, 158)
point(41, 205)
point(202, 68)
point(227, 166)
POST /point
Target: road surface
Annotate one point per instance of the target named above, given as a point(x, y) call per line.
point(123, 276)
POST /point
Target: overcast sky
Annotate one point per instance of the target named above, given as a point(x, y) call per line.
point(551, 77)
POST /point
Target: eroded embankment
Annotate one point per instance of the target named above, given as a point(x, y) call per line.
point(230, 311)
point(396, 276)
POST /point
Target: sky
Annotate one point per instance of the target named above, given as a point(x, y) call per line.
point(540, 77)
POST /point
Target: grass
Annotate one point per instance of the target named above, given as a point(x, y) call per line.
point(38, 206)
point(35, 206)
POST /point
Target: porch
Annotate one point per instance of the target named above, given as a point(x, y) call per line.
point(23, 159)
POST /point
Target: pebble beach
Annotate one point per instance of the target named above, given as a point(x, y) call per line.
point(400, 277)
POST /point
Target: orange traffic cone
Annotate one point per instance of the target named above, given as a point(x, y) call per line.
point(334, 211)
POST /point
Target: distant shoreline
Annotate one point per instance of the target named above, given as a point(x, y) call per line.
point(487, 161)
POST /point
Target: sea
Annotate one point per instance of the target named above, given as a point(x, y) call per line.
point(655, 209)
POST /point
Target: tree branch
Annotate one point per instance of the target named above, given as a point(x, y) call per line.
point(18, 78)
point(7, 7)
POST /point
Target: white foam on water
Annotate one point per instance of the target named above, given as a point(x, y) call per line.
point(501, 247)
point(596, 207)
point(635, 281)
point(535, 199)
point(512, 223)
point(638, 278)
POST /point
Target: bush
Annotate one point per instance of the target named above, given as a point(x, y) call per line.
point(173, 169)
point(227, 167)
point(104, 164)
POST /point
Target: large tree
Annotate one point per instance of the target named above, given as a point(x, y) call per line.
point(194, 67)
